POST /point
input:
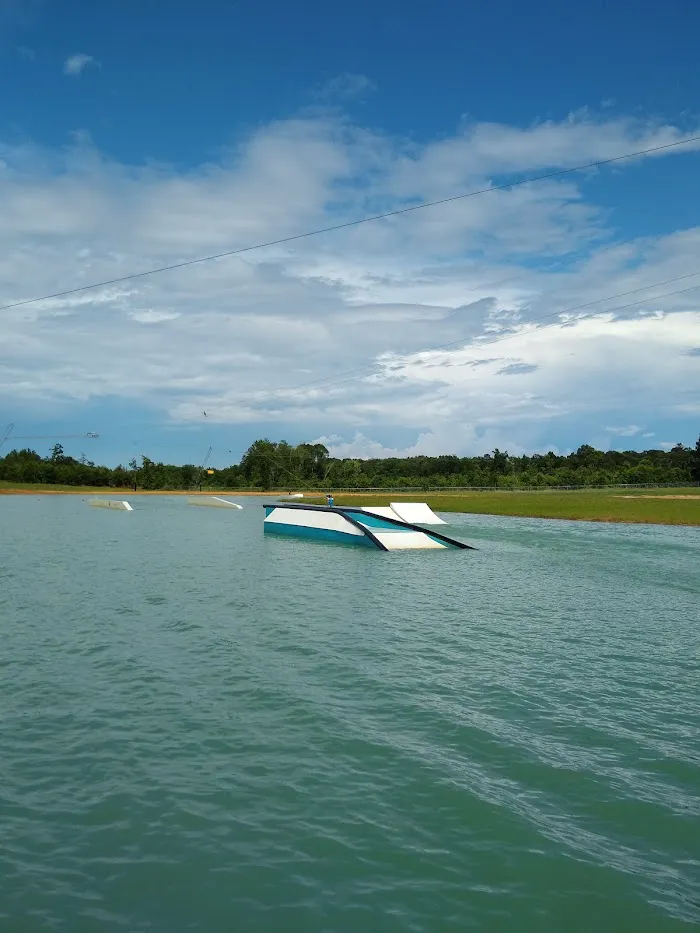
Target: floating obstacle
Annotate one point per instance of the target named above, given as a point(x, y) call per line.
point(351, 525)
point(214, 501)
point(120, 504)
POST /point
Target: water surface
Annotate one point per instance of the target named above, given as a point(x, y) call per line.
point(207, 729)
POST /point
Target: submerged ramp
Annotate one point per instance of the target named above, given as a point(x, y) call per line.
point(417, 513)
point(120, 504)
point(213, 501)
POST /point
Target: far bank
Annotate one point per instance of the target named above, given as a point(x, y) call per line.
point(679, 506)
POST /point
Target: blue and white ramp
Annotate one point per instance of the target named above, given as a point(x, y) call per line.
point(350, 525)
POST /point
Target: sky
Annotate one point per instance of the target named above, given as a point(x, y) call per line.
point(543, 316)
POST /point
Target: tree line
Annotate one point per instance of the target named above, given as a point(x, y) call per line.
point(279, 465)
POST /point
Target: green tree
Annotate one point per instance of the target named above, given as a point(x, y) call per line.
point(695, 463)
point(259, 465)
point(500, 461)
point(57, 455)
point(268, 465)
point(134, 467)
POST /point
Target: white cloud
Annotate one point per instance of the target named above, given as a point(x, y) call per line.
point(234, 336)
point(150, 316)
point(628, 431)
point(427, 444)
point(359, 448)
point(76, 64)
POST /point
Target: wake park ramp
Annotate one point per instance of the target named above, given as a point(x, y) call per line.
point(348, 525)
point(213, 501)
point(414, 513)
point(119, 504)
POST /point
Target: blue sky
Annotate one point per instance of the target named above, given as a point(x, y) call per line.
point(133, 136)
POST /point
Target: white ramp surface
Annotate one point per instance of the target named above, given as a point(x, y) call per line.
point(383, 511)
point(213, 501)
point(407, 541)
point(417, 513)
point(120, 504)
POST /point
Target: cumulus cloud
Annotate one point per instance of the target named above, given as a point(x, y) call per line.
point(333, 334)
point(360, 447)
point(76, 64)
point(428, 444)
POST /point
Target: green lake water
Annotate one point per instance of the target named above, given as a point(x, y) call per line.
point(206, 729)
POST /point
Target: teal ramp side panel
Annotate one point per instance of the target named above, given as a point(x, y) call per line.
point(316, 523)
point(317, 534)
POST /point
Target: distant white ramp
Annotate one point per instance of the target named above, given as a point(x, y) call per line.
point(120, 504)
point(417, 513)
point(213, 501)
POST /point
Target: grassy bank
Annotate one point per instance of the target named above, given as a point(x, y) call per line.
point(647, 506)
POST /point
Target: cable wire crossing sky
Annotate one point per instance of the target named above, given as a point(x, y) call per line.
point(544, 300)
